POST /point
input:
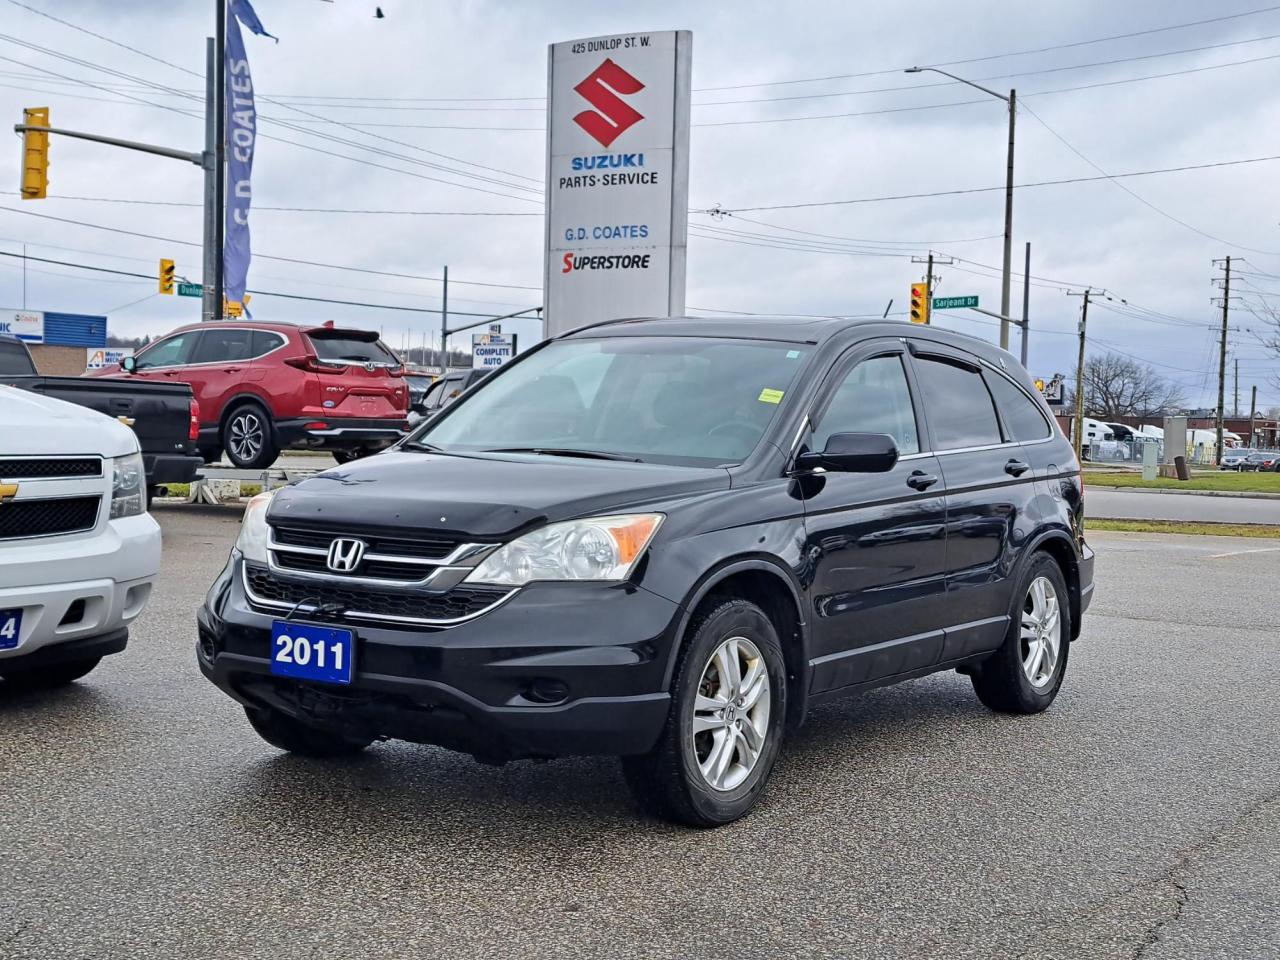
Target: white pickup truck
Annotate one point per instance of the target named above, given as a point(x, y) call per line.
point(78, 550)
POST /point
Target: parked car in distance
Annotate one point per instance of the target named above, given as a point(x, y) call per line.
point(1262, 461)
point(78, 550)
point(667, 540)
point(164, 416)
point(418, 384)
point(1235, 458)
point(266, 387)
point(449, 387)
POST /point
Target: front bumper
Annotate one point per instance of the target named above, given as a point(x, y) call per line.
point(557, 670)
point(341, 433)
point(75, 589)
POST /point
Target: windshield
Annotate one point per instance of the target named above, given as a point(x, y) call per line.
point(681, 400)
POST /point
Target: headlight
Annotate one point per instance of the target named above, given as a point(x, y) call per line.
point(252, 542)
point(128, 486)
point(598, 548)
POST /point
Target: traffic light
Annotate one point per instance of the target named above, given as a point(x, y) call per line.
point(35, 154)
point(166, 275)
point(919, 303)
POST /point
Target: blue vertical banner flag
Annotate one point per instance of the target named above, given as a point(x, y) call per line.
point(242, 135)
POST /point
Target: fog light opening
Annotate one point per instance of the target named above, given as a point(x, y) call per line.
point(546, 690)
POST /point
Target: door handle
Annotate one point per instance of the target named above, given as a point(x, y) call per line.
point(919, 480)
point(231, 369)
point(1016, 468)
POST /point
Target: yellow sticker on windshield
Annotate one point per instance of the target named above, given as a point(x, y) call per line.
point(770, 396)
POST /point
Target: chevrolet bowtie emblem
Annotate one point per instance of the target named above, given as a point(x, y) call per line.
point(8, 491)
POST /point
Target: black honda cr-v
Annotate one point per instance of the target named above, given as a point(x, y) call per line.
point(666, 540)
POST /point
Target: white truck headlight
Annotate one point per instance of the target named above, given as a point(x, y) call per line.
point(252, 542)
point(128, 486)
point(597, 548)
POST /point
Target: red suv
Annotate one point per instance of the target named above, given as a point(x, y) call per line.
point(265, 387)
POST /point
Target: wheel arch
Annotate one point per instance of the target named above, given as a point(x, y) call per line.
point(768, 584)
point(1059, 545)
point(239, 398)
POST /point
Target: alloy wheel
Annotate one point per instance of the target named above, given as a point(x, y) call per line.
point(247, 435)
point(731, 714)
point(1041, 633)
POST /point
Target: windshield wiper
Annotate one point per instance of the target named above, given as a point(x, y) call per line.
point(568, 452)
point(423, 446)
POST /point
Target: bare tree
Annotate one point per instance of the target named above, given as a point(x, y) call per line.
point(1117, 386)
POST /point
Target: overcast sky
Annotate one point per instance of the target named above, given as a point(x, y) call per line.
point(845, 259)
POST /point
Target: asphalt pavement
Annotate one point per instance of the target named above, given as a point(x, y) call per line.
point(1203, 507)
point(140, 817)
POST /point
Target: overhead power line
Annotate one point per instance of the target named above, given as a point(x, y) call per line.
point(968, 190)
point(256, 293)
point(258, 208)
point(267, 256)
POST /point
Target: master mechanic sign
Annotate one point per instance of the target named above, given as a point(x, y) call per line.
point(617, 178)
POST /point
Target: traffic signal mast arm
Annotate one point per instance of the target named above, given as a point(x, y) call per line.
point(199, 159)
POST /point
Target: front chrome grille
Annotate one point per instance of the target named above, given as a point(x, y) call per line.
point(405, 561)
point(49, 468)
point(266, 589)
point(20, 519)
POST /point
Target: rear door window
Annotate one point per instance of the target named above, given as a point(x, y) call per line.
point(223, 346)
point(351, 350)
point(957, 404)
point(1022, 417)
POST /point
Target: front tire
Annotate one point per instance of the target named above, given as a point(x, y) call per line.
point(283, 731)
point(54, 675)
point(725, 726)
point(1025, 673)
point(249, 439)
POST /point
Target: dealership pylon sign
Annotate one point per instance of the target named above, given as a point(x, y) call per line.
point(617, 178)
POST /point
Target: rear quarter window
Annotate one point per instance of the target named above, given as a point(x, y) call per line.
point(14, 360)
point(1021, 415)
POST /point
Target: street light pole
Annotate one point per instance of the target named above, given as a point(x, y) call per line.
point(1012, 101)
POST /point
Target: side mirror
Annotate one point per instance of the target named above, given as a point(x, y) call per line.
point(853, 453)
point(129, 364)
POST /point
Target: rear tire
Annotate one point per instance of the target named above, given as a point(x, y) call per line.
point(731, 686)
point(54, 675)
point(283, 731)
point(248, 437)
point(1026, 672)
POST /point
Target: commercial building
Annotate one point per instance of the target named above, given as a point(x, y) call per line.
point(57, 341)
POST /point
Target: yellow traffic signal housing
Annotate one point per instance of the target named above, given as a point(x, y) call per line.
point(35, 154)
point(919, 303)
point(166, 275)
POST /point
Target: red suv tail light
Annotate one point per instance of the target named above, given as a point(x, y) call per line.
point(314, 365)
point(194, 432)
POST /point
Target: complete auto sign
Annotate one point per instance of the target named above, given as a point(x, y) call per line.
point(617, 178)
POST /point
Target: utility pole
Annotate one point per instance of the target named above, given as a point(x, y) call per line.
point(1235, 403)
point(444, 325)
point(220, 154)
point(1008, 226)
point(211, 210)
point(1253, 412)
point(1026, 303)
point(1222, 353)
point(1077, 432)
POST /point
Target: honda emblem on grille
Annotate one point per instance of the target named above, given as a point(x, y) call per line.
point(345, 555)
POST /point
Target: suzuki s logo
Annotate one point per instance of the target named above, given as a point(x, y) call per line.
point(614, 115)
point(345, 555)
point(8, 491)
